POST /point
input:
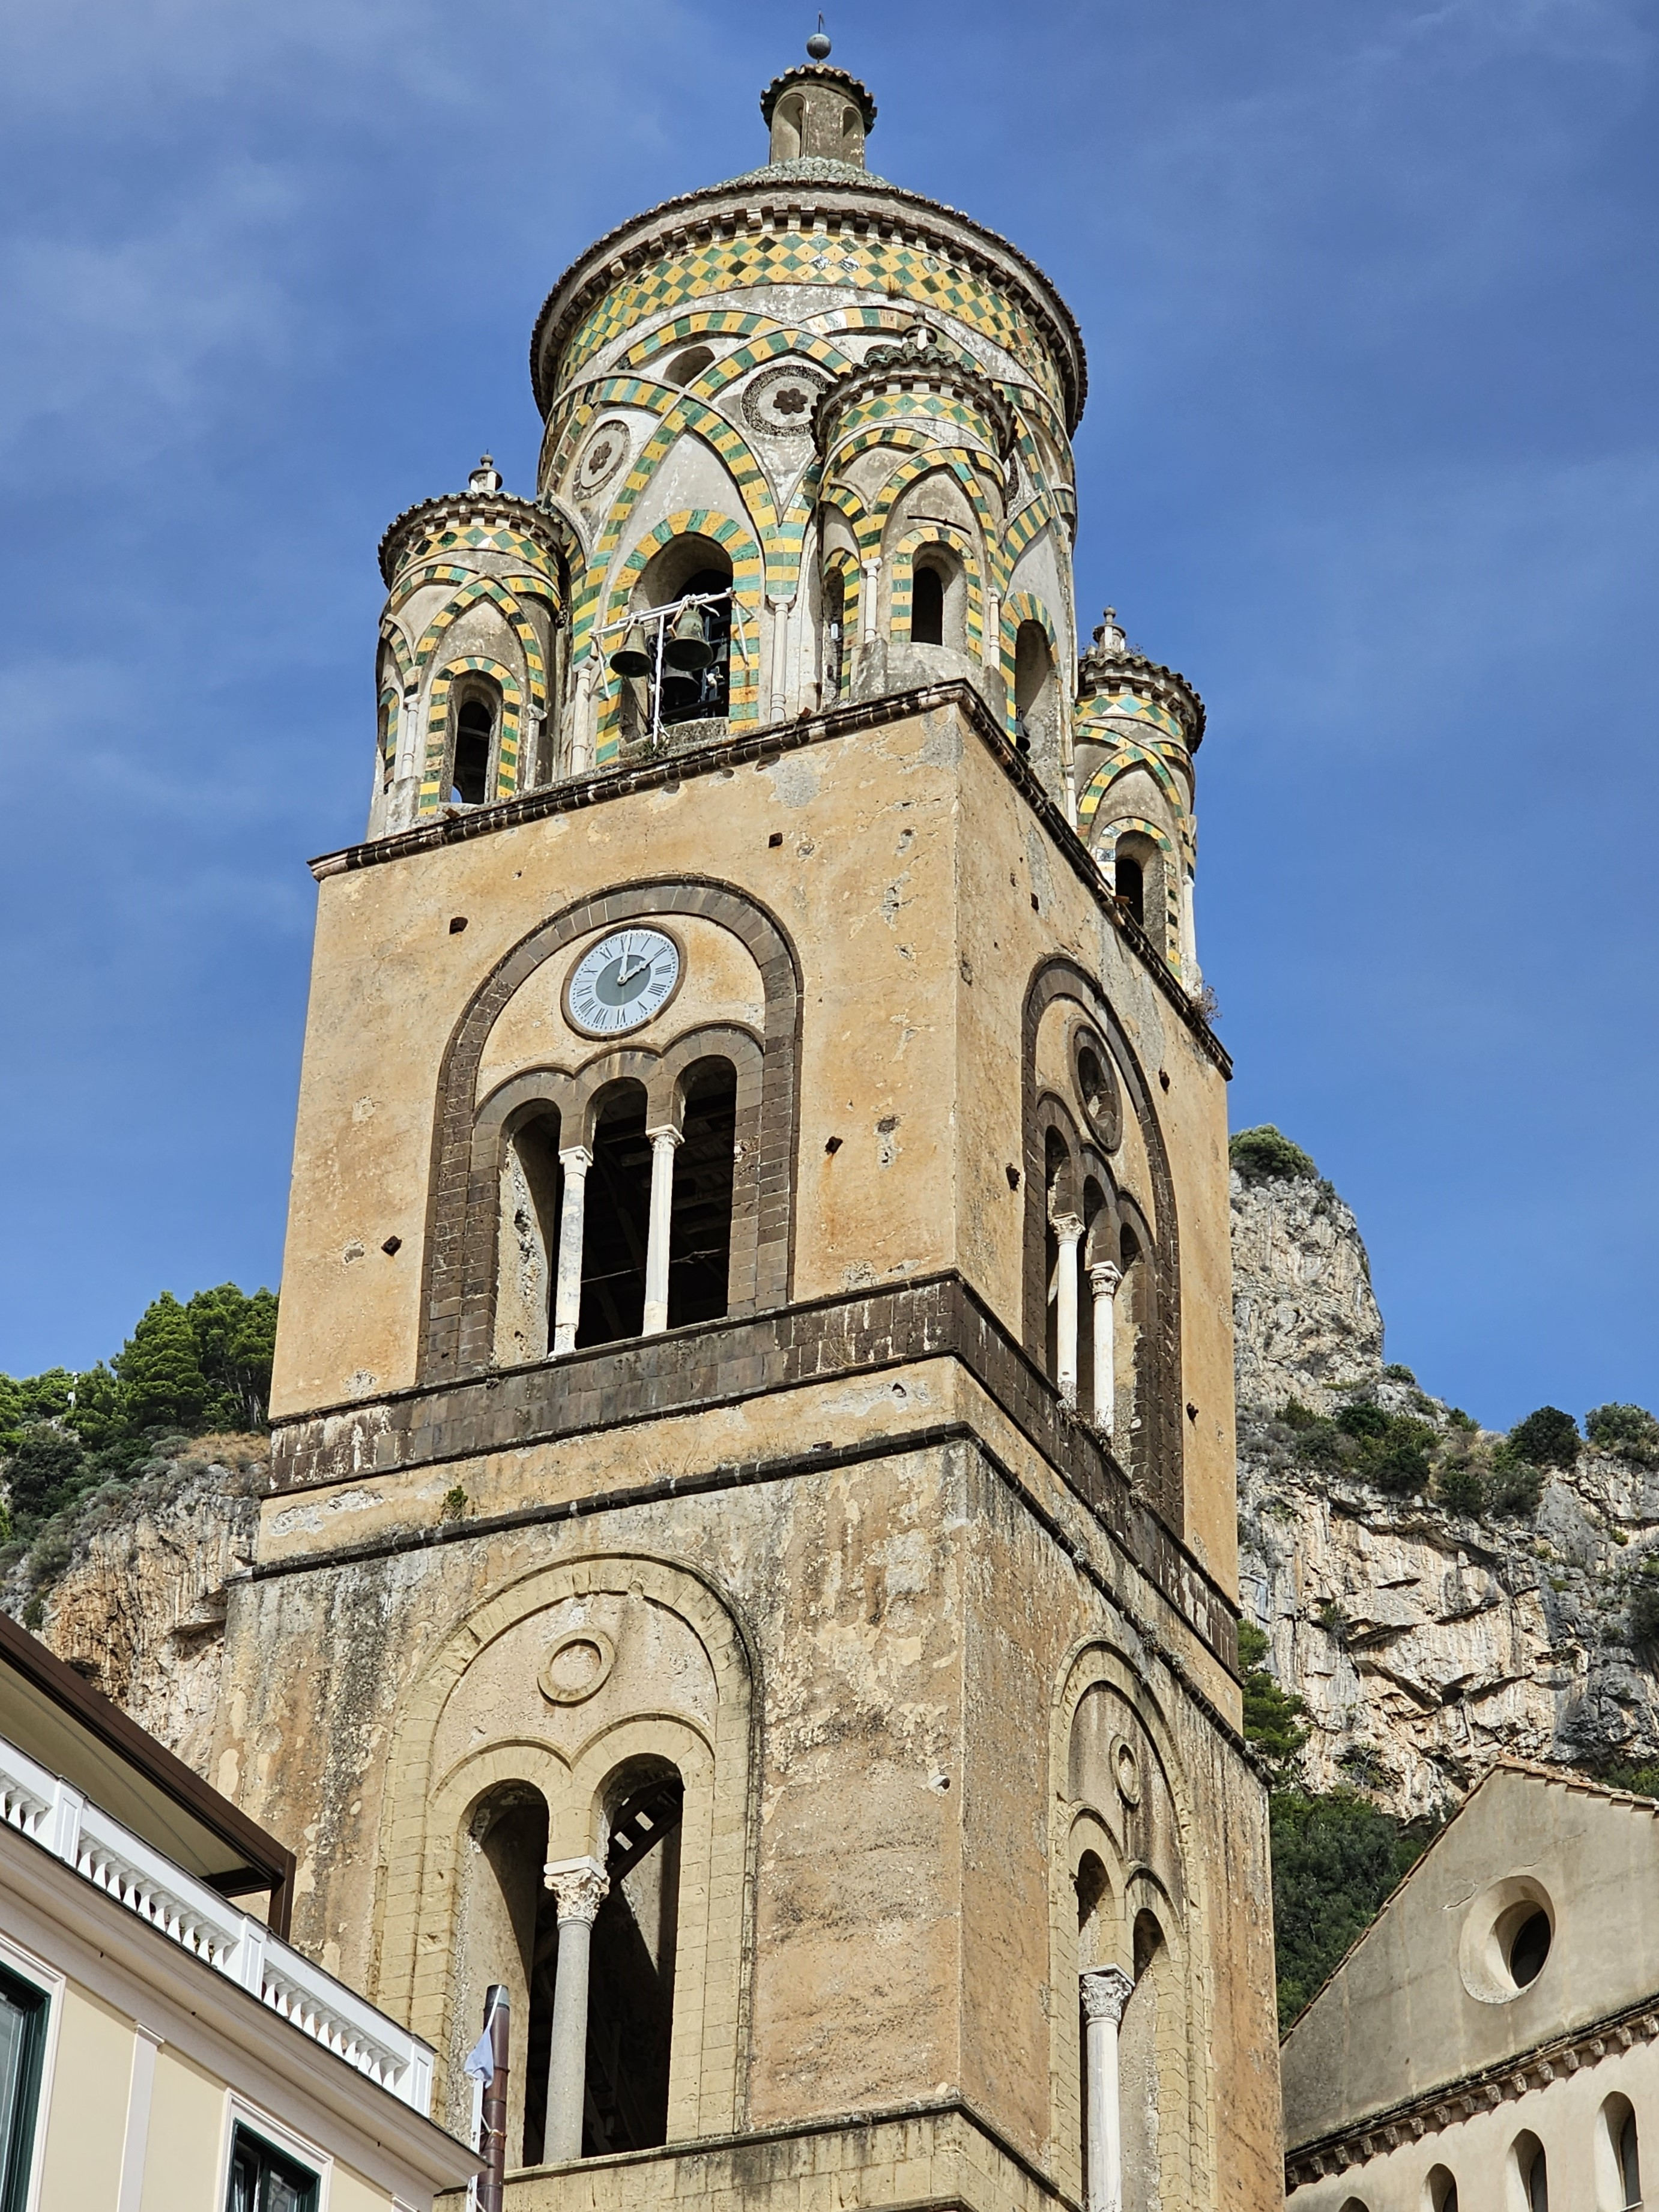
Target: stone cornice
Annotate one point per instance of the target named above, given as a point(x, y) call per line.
point(1447, 2104)
point(1099, 672)
point(821, 73)
point(462, 508)
point(927, 367)
point(746, 203)
point(772, 741)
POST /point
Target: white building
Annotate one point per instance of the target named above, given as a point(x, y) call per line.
point(162, 2048)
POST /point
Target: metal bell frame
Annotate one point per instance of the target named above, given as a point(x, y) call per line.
point(640, 617)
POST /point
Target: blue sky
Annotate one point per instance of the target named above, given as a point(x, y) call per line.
point(1370, 454)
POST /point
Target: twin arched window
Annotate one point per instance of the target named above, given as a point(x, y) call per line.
point(613, 1229)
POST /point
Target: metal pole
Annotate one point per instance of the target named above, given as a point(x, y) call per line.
point(492, 2140)
point(656, 688)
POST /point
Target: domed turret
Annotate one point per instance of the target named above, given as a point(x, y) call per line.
point(1137, 728)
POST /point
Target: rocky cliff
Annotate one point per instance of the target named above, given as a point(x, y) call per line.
point(130, 1588)
point(1425, 1640)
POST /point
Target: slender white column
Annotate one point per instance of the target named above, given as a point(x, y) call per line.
point(872, 573)
point(576, 1160)
point(1104, 1279)
point(1193, 979)
point(580, 1887)
point(1105, 1992)
point(1069, 1230)
point(780, 678)
point(664, 1143)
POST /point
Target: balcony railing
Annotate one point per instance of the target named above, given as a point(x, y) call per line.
point(44, 1807)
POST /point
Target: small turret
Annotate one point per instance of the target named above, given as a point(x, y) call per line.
point(817, 114)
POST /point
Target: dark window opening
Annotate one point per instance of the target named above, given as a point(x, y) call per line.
point(1132, 887)
point(1056, 1161)
point(834, 620)
point(926, 607)
point(475, 728)
point(616, 1223)
point(1538, 2182)
point(631, 1986)
point(700, 1226)
point(688, 364)
point(1529, 1949)
point(696, 695)
point(266, 2179)
point(1148, 1942)
point(1094, 1207)
point(22, 2049)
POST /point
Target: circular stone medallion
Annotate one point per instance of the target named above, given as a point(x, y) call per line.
point(603, 455)
point(781, 401)
point(577, 1665)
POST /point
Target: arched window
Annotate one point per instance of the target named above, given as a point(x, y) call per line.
point(1097, 1224)
point(508, 1928)
point(532, 1191)
point(834, 641)
point(1529, 2179)
point(926, 604)
point(700, 1225)
point(1034, 686)
point(617, 1220)
point(1132, 884)
point(630, 2003)
point(1618, 2162)
point(1057, 1177)
point(1440, 2191)
point(1138, 2057)
point(690, 364)
point(475, 735)
point(697, 641)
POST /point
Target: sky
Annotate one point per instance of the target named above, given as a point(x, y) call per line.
point(1370, 454)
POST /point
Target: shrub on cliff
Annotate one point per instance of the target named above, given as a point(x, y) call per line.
point(1627, 1431)
point(1549, 1437)
point(1272, 1716)
point(1460, 1490)
point(1266, 1155)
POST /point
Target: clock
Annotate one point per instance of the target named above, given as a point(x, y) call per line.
point(621, 983)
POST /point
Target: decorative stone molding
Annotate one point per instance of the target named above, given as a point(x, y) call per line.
point(580, 1888)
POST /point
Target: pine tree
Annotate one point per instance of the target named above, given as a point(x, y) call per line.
point(235, 1336)
point(160, 1369)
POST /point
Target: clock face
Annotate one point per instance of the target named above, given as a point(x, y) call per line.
point(622, 981)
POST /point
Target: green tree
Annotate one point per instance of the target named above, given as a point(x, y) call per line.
point(1335, 1859)
point(42, 1468)
point(1272, 1715)
point(1549, 1437)
point(1266, 1155)
point(160, 1369)
point(235, 1337)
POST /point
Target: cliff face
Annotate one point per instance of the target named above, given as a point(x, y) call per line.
point(138, 1604)
point(1426, 1642)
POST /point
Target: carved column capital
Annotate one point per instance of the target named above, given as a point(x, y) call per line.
point(1106, 1990)
point(1104, 1278)
point(1068, 1228)
point(580, 1887)
point(575, 1159)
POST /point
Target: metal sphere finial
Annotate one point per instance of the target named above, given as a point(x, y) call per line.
point(819, 45)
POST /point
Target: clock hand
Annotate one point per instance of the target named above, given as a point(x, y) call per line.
point(626, 974)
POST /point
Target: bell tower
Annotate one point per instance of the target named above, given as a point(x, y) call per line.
point(752, 1572)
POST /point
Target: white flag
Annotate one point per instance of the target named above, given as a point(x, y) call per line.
point(481, 2059)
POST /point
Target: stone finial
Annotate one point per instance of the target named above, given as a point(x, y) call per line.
point(1106, 1990)
point(1109, 636)
point(486, 477)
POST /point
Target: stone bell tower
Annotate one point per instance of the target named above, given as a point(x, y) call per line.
point(751, 1569)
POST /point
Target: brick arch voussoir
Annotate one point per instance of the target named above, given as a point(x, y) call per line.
point(457, 1286)
point(1063, 978)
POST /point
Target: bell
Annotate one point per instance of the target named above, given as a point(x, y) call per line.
point(688, 647)
point(633, 656)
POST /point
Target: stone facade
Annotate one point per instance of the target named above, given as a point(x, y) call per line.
point(786, 1697)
